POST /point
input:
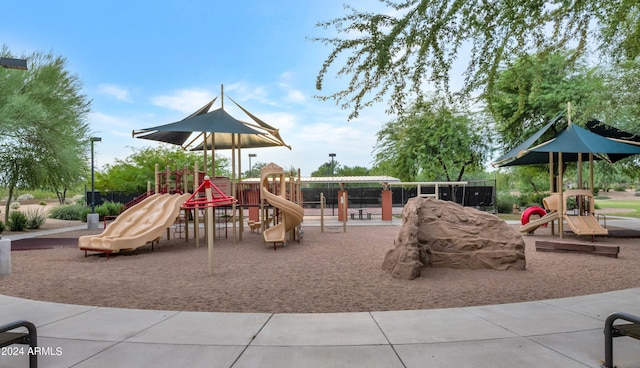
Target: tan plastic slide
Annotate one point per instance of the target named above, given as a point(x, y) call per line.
point(292, 214)
point(534, 224)
point(583, 224)
point(137, 226)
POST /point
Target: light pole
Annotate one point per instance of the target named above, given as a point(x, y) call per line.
point(251, 167)
point(332, 155)
point(93, 189)
point(11, 63)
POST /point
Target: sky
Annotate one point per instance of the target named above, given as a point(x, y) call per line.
point(146, 63)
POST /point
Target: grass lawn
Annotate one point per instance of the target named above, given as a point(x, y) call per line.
point(600, 203)
point(616, 203)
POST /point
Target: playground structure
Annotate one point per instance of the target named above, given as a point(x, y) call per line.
point(142, 223)
point(581, 222)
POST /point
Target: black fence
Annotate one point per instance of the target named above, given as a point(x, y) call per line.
point(109, 197)
point(475, 194)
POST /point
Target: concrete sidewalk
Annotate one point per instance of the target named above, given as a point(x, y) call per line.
point(564, 332)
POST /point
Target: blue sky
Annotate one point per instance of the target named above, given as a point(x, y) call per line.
point(147, 63)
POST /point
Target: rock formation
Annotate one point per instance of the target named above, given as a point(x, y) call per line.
point(444, 234)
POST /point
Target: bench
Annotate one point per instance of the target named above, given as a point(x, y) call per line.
point(7, 337)
point(631, 329)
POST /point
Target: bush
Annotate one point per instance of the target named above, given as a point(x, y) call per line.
point(532, 199)
point(42, 203)
point(36, 218)
point(17, 221)
point(619, 188)
point(68, 212)
point(14, 205)
point(109, 209)
point(26, 197)
point(506, 202)
point(2, 227)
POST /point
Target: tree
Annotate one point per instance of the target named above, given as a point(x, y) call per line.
point(43, 129)
point(414, 44)
point(433, 141)
point(535, 88)
point(132, 174)
point(327, 169)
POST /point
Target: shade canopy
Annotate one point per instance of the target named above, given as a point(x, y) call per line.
point(575, 143)
point(229, 132)
point(268, 136)
point(218, 121)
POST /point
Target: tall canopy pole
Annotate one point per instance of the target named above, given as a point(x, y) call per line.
point(551, 184)
point(233, 180)
point(591, 173)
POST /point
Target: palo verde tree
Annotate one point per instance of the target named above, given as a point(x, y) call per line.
point(433, 141)
point(535, 88)
point(43, 129)
point(413, 45)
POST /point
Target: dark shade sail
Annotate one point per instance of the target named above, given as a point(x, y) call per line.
point(228, 132)
point(574, 143)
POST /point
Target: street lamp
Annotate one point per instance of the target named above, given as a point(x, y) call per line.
point(11, 63)
point(93, 189)
point(332, 155)
point(251, 167)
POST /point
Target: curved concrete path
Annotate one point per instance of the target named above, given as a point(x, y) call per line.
point(565, 332)
point(550, 333)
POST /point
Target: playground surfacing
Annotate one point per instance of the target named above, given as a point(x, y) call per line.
point(328, 272)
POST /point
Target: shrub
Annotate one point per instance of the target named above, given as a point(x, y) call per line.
point(68, 212)
point(2, 227)
point(25, 197)
point(14, 205)
point(42, 203)
point(506, 202)
point(109, 209)
point(36, 218)
point(532, 199)
point(17, 221)
point(619, 188)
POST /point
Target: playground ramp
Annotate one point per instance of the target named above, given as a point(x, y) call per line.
point(140, 224)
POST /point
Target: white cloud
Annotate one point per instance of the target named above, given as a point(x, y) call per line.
point(296, 96)
point(184, 100)
point(119, 93)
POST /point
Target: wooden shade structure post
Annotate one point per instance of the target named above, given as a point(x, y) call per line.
point(560, 197)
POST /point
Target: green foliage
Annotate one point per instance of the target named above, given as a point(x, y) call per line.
point(434, 141)
point(619, 188)
point(42, 203)
point(132, 174)
point(14, 205)
point(35, 217)
point(43, 128)
point(68, 212)
point(505, 202)
point(532, 90)
point(2, 227)
point(412, 45)
point(109, 209)
point(17, 221)
point(531, 199)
